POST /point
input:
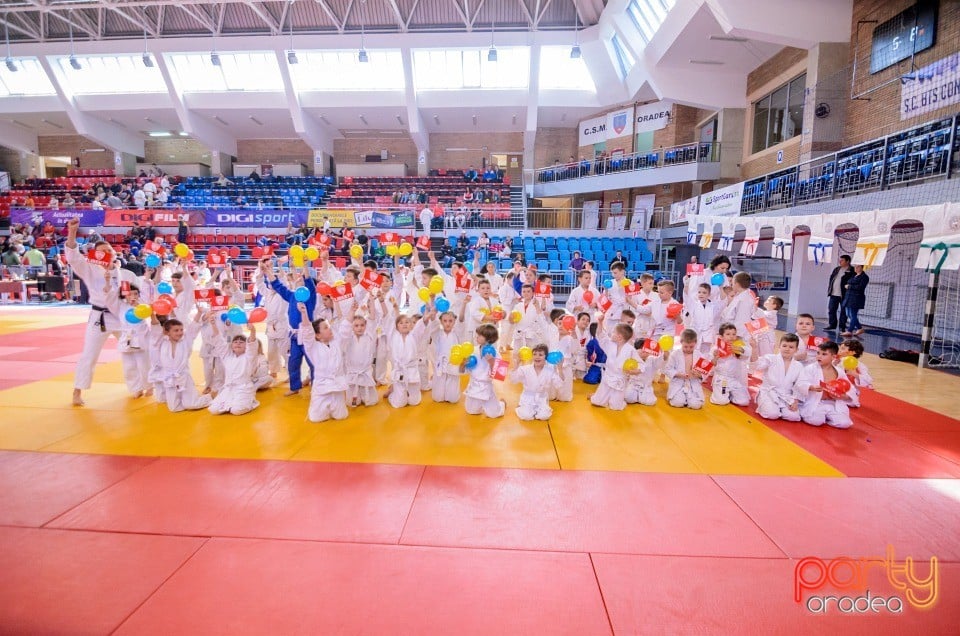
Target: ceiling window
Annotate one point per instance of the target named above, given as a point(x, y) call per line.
point(648, 15)
point(109, 74)
point(559, 70)
point(470, 68)
point(778, 116)
point(249, 71)
point(29, 79)
point(625, 60)
point(342, 71)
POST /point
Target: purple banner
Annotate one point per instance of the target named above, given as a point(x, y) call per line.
point(58, 218)
point(255, 218)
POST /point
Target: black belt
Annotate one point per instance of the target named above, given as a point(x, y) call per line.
point(100, 323)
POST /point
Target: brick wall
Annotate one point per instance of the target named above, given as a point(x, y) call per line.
point(10, 162)
point(771, 70)
point(439, 157)
point(554, 144)
point(73, 146)
point(400, 150)
point(766, 161)
point(881, 114)
point(175, 151)
point(256, 151)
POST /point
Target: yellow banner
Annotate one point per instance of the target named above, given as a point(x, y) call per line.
point(336, 217)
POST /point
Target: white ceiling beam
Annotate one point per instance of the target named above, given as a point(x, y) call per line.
point(533, 109)
point(201, 129)
point(476, 13)
point(542, 12)
point(415, 123)
point(333, 16)
point(71, 19)
point(817, 21)
point(526, 12)
point(413, 10)
point(401, 23)
point(267, 19)
point(305, 126)
point(23, 28)
point(141, 22)
point(467, 22)
point(112, 137)
point(18, 138)
point(200, 16)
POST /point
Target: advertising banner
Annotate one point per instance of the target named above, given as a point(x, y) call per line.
point(595, 130)
point(591, 215)
point(682, 210)
point(255, 218)
point(655, 116)
point(336, 217)
point(58, 218)
point(723, 202)
point(392, 219)
point(934, 86)
point(157, 218)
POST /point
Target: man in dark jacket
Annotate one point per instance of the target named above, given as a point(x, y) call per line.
point(836, 290)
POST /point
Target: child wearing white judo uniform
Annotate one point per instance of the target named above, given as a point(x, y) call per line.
point(403, 339)
point(479, 395)
point(581, 336)
point(527, 319)
point(577, 300)
point(640, 385)
point(818, 404)
point(560, 340)
point(643, 302)
point(173, 346)
point(686, 380)
point(739, 309)
point(777, 398)
point(237, 358)
point(260, 370)
point(765, 342)
point(613, 385)
point(700, 313)
point(730, 368)
point(538, 380)
point(446, 376)
point(507, 296)
point(134, 347)
point(277, 327)
point(359, 348)
point(328, 387)
point(859, 375)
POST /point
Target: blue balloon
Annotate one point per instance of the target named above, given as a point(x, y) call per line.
point(469, 266)
point(608, 283)
point(442, 304)
point(164, 288)
point(470, 362)
point(131, 317)
point(152, 260)
point(717, 279)
point(302, 294)
point(423, 309)
point(488, 350)
point(53, 252)
point(224, 317)
point(555, 357)
point(237, 316)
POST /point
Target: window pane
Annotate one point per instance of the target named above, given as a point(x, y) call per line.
point(98, 75)
point(795, 107)
point(624, 60)
point(469, 68)
point(342, 70)
point(253, 71)
point(29, 79)
point(761, 117)
point(559, 70)
point(778, 115)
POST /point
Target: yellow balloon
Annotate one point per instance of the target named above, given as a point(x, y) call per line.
point(436, 285)
point(296, 252)
point(456, 351)
point(515, 316)
point(498, 308)
point(484, 311)
point(456, 359)
point(630, 364)
point(424, 294)
point(356, 251)
point(406, 249)
point(181, 250)
point(850, 363)
point(392, 250)
point(311, 253)
point(339, 283)
point(142, 311)
point(666, 343)
point(525, 353)
point(467, 348)
point(625, 282)
point(739, 343)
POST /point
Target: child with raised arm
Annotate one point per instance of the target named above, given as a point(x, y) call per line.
point(643, 303)
point(686, 378)
point(613, 385)
point(359, 347)
point(328, 389)
point(739, 309)
point(777, 398)
point(479, 395)
point(538, 380)
point(260, 370)
point(640, 385)
point(808, 343)
point(403, 345)
point(238, 395)
point(527, 318)
point(859, 376)
point(730, 356)
point(581, 336)
point(665, 310)
point(173, 346)
point(134, 348)
point(819, 403)
point(277, 325)
point(765, 342)
point(446, 376)
point(565, 345)
point(700, 313)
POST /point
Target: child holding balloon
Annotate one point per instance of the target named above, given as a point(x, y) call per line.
point(581, 336)
point(595, 357)
point(329, 386)
point(133, 344)
point(447, 357)
point(857, 372)
point(730, 356)
point(538, 380)
point(403, 339)
point(237, 358)
point(613, 386)
point(686, 373)
point(172, 346)
point(582, 297)
point(824, 390)
point(561, 354)
point(640, 385)
point(359, 347)
point(479, 394)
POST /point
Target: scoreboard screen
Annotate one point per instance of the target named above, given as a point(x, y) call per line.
point(910, 31)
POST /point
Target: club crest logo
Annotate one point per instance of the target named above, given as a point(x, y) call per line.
point(620, 122)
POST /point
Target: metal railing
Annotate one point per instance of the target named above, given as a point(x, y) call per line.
point(573, 219)
point(924, 152)
point(662, 157)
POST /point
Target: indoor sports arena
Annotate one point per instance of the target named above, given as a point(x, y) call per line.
point(479, 317)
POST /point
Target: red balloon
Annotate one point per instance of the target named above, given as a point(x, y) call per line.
point(162, 307)
point(568, 323)
point(168, 298)
point(324, 289)
point(840, 386)
point(588, 297)
point(673, 310)
point(234, 252)
point(257, 252)
point(259, 314)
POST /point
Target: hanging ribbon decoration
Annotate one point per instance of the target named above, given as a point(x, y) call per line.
point(706, 240)
point(819, 251)
point(726, 243)
point(939, 247)
point(691, 236)
point(870, 252)
point(749, 246)
point(780, 248)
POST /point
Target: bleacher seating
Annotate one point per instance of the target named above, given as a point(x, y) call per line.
point(76, 183)
point(290, 193)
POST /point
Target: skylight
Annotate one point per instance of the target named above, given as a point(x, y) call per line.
point(248, 71)
point(342, 71)
point(648, 15)
point(625, 60)
point(108, 74)
point(559, 70)
point(30, 79)
point(470, 68)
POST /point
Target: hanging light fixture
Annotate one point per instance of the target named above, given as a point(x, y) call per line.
point(11, 66)
point(362, 56)
point(74, 62)
point(575, 51)
point(214, 57)
point(291, 54)
point(147, 60)
point(492, 53)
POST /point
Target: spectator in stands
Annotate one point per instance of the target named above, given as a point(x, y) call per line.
point(506, 251)
point(11, 259)
point(150, 190)
point(577, 262)
point(446, 254)
point(68, 202)
point(470, 175)
point(96, 205)
point(134, 265)
point(426, 219)
point(584, 167)
point(29, 203)
point(483, 246)
point(460, 218)
point(422, 197)
point(254, 176)
point(140, 199)
point(54, 204)
point(154, 171)
point(836, 291)
point(136, 233)
point(467, 197)
point(223, 182)
point(183, 230)
point(620, 258)
point(396, 196)
point(126, 196)
point(113, 201)
point(240, 203)
point(855, 300)
point(163, 196)
point(35, 258)
point(364, 241)
point(149, 232)
point(495, 196)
